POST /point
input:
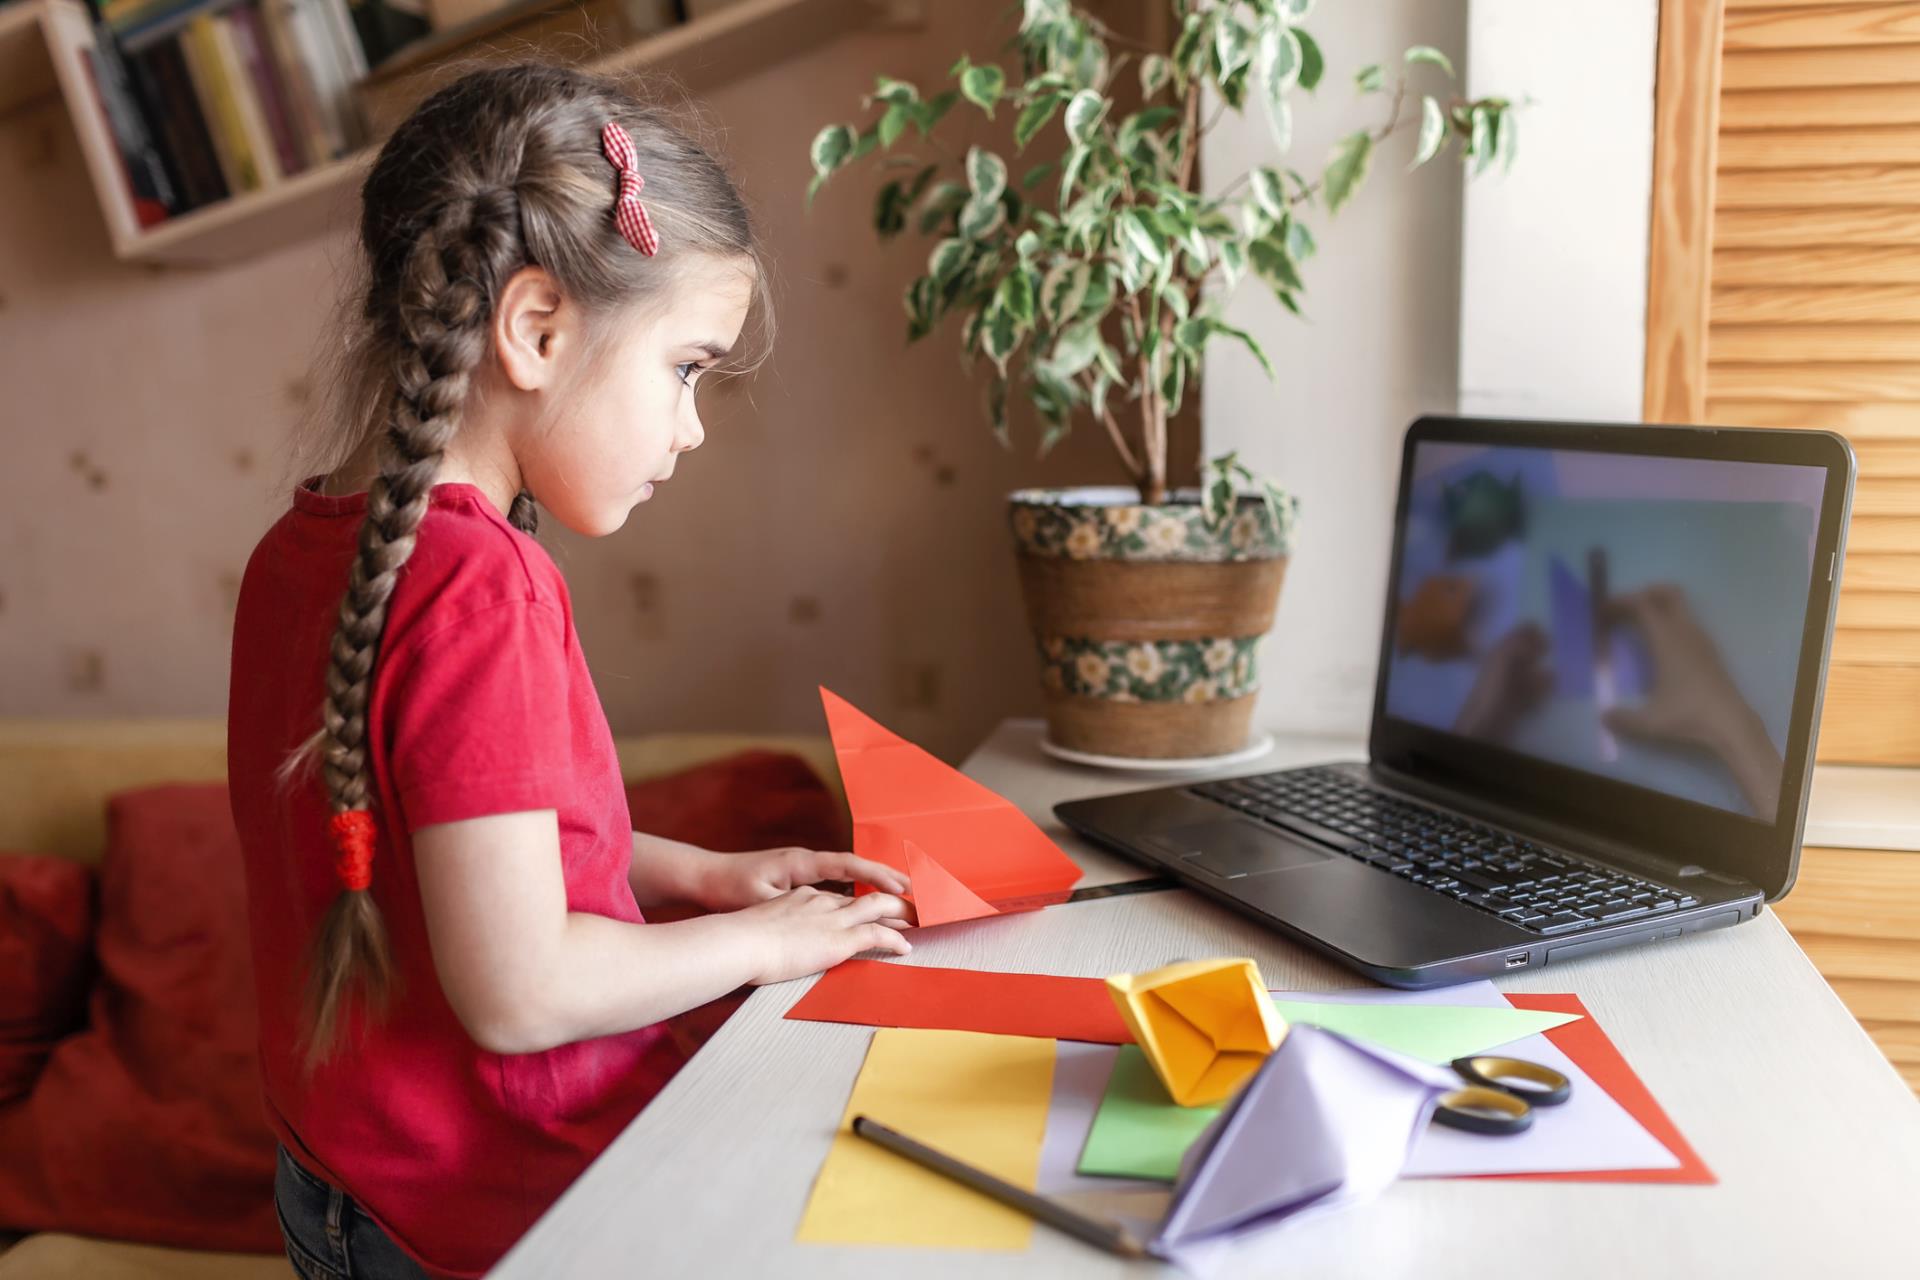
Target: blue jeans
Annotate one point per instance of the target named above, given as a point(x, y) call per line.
point(328, 1236)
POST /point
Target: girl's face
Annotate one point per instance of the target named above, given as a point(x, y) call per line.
point(620, 426)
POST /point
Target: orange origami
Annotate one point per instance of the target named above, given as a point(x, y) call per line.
point(969, 852)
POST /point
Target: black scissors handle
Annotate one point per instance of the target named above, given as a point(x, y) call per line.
point(1500, 1095)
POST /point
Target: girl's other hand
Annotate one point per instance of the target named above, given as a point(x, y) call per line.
point(735, 880)
point(806, 930)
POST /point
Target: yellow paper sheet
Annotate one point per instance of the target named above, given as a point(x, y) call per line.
point(980, 1098)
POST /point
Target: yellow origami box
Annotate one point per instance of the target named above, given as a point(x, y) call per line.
point(1205, 1025)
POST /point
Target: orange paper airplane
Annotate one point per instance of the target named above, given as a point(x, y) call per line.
point(969, 852)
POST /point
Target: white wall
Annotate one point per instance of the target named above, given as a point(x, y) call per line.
point(1519, 294)
point(1553, 298)
point(1378, 348)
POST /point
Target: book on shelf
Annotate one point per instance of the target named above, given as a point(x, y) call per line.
point(208, 99)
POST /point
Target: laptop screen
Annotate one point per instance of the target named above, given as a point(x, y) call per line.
point(1639, 618)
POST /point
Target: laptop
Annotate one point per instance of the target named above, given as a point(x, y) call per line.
point(1593, 724)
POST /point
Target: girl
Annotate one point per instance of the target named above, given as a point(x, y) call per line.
point(550, 267)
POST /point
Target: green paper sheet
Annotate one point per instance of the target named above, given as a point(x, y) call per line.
point(1431, 1032)
point(1139, 1132)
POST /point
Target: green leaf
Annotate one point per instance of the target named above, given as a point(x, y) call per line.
point(1016, 295)
point(1083, 114)
point(1433, 131)
point(865, 143)
point(920, 301)
point(1155, 71)
point(831, 147)
point(1272, 263)
point(894, 122)
point(929, 112)
point(997, 409)
point(959, 67)
point(947, 258)
point(983, 86)
point(1193, 35)
point(1190, 335)
point(1033, 117)
point(1281, 507)
point(947, 199)
point(1313, 64)
point(1427, 53)
point(1064, 290)
point(1076, 161)
point(999, 335)
point(1481, 146)
point(1509, 139)
point(890, 210)
point(1280, 60)
point(1174, 385)
point(980, 218)
point(1232, 49)
point(1347, 168)
point(1026, 244)
point(1370, 78)
point(1075, 349)
point(894, 91)
point(1268, 192)
point(986, 173)
point(1036, 174)
point(1220, 497)
point(1245, 338)
point(920, 181)
point(1233, 261)
point(1139, 232)
point(813, 187)
point(1298, 239)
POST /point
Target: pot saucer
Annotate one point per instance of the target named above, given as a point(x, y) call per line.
point(1261, 744)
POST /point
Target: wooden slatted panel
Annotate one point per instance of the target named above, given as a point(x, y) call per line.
point(1857, 914)
point(1813, 314)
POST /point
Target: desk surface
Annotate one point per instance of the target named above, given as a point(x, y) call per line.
point(1814, 1137)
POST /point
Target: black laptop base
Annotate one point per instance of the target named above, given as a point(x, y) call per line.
point(1357, 896)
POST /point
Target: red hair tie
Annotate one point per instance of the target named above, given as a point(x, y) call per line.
point(628, 213)
point(352, 832)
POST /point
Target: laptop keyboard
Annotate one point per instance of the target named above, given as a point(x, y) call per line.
point(1496, 871)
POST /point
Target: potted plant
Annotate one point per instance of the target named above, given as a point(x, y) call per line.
point(1094, 283)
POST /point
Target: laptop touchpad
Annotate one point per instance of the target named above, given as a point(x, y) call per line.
point(1231, 848)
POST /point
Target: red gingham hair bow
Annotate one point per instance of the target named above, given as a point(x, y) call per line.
point(628, 213)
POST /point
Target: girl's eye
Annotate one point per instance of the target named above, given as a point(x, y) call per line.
point(687, 370)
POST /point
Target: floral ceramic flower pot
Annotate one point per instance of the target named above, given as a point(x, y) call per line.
point(1148, 620)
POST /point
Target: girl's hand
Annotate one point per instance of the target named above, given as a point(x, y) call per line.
point(734, 880)
point(806, 930)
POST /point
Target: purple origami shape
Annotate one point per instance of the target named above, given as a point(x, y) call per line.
point(1325, 1121)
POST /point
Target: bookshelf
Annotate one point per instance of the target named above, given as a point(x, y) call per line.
point(44, 46)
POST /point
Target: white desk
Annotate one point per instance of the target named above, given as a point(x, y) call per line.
point(1815, 1140)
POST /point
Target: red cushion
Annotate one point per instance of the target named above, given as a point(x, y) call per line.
point(753, 800)
point(149, 1124)
point(46, 961)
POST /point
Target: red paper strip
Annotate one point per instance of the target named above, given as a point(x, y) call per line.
point(878, 994)
point(1588, 1045)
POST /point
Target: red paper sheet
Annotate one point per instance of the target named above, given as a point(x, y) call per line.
point(969, 852)
point(879, 994)
point(1587, 1044)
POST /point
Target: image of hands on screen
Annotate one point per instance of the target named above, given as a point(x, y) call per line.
point(1639, 618)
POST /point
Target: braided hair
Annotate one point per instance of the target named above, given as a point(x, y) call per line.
point(501, 169)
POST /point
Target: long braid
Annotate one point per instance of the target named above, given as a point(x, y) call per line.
point(445, 302)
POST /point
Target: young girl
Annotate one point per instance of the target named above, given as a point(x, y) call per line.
point(460, 1002)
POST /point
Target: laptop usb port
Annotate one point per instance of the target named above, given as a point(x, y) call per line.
point(1517, 960)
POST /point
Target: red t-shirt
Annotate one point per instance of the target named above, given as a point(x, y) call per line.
point(481, 704)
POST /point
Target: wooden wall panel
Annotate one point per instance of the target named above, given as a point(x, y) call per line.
point(1808, 302)
point(1857, 914)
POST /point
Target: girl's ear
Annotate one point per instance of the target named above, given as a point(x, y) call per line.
point(532, 328)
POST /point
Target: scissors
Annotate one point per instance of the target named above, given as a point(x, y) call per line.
point(1500, 1095)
